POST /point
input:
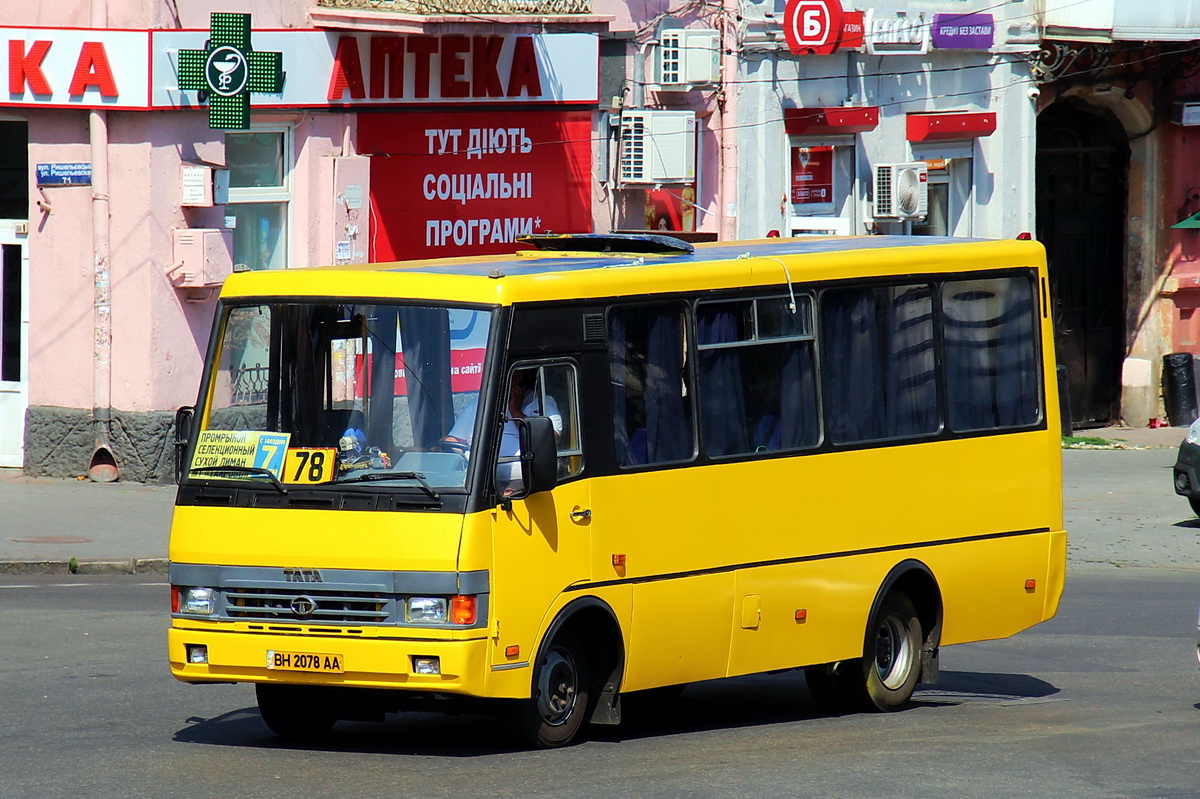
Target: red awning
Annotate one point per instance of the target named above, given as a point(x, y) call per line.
point(830, 121)
point(939, 127)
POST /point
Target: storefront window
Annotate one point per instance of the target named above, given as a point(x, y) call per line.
point(259, 191)
point(821, 186)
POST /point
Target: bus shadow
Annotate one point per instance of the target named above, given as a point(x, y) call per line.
point(430, 734)
point(739, 702)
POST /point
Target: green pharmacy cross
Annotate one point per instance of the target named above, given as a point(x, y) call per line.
point(228, 69)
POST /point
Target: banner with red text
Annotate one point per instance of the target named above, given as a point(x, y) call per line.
point(469, 183)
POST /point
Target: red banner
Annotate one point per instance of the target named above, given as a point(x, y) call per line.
point(469, 183)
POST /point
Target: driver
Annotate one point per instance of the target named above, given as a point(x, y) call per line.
point(523, 400)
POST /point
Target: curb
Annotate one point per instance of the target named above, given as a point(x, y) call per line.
point(86, 567)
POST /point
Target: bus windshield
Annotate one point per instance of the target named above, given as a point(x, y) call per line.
point(331, 392)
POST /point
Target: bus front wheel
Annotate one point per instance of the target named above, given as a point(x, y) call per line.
point(554, 713)
point(892, 660)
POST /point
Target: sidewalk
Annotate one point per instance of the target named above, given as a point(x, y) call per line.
point(46, 523)
point(104, 527)
point(1141, 437)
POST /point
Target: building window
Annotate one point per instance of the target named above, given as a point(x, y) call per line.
point(259, 164)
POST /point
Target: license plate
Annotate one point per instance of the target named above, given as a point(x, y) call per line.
point(304, 661)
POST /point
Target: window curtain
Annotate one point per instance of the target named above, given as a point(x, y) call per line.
point(651, 423)
point(722, 391)
point(911, 399)
point(382, 388)
point(668, 432)
point(852, 350)
point(425, 339)
point(799, 419)
point(991, 354)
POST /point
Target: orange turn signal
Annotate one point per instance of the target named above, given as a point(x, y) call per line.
point(512, 651)
point(618, 559)
point(801, 614)
point(1031, 585)
point(462, 610)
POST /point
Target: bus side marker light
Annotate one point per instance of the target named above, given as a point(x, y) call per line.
point(1030, 586)
point(801, 615)
point(618, 560)
point(512, 651)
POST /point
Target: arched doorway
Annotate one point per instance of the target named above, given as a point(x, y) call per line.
point(1082, 185)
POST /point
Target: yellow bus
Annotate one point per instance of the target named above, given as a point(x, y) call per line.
point(603, 465)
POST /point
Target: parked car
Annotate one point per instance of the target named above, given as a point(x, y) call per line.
point(1187, 483)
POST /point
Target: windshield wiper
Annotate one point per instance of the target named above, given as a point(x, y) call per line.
point(371, 476)
point(247, 471)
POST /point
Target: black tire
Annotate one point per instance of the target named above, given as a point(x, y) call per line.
point(1195, 503)
point(891, 664)
point(560, 697)
point(295, 712)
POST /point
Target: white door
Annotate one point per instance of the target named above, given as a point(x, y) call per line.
point(14, 340)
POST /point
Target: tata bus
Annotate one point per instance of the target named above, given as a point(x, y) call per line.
point(538, 483)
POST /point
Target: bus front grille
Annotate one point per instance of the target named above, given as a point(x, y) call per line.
point(342, 607)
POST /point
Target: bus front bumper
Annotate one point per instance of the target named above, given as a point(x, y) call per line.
point(200, 656)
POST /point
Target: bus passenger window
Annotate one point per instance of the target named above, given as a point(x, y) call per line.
point(992, 371)
point(879, 364)
point(757, 375)
point(647, 356)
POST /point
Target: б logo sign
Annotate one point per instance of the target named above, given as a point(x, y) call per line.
point(812, 27)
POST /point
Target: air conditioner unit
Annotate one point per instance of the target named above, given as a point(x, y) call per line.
point(901, 191)
point(657, 147)
point(685, 59)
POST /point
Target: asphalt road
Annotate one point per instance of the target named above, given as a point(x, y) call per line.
point(1103, 701)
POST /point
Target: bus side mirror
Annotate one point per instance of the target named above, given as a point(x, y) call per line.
point(539, 458)
point(183, 432)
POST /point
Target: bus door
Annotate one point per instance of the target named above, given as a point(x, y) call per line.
point(653, 529)
point(542, 543)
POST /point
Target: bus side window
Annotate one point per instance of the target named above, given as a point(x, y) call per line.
point(652, 412)
point(757, 375)
point(993, 378)
point(557, 383)
point(879, 363)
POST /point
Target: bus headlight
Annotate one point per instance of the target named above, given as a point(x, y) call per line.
point(426, 609)
point(460, 610)
point(199, 602)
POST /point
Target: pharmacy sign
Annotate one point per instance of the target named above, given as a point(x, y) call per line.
point(228, 69)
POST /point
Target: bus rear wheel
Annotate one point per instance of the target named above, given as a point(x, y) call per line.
point(892, 660)
point(294, 712)
point(554, 713)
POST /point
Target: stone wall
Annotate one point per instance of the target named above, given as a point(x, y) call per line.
point(59, 442)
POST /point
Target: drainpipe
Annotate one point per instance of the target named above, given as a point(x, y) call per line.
point(727, 197)
point(103, 466)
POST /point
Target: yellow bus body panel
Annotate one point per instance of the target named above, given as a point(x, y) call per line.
point(325, 539)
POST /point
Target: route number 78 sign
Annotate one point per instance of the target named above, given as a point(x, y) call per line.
point(812, 27)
